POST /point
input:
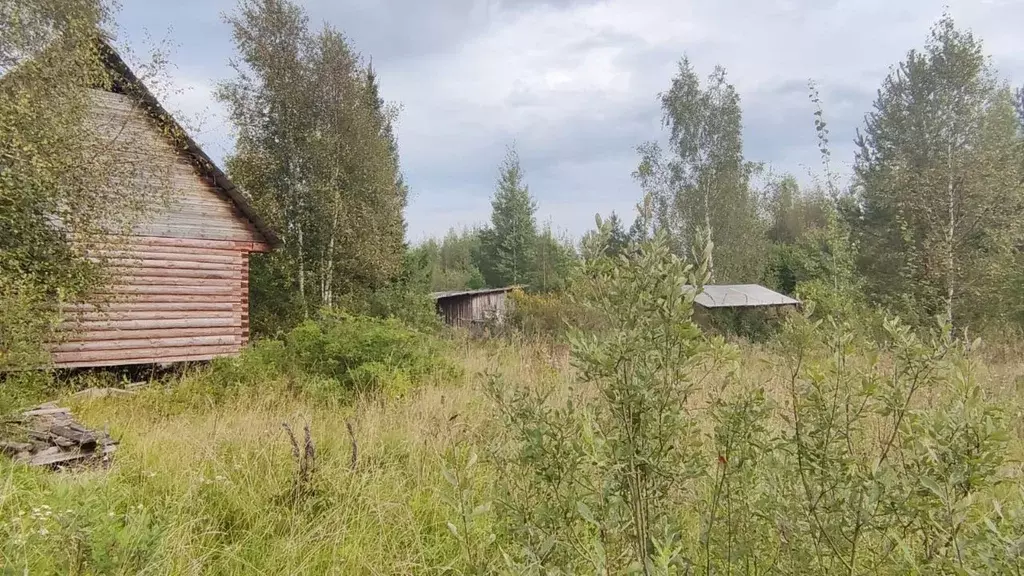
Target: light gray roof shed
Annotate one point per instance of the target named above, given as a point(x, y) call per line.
point(741, 296)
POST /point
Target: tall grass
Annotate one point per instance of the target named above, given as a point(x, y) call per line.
point(203, 479)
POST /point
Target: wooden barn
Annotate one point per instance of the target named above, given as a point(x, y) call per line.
point(472, 308)
point(179, 289)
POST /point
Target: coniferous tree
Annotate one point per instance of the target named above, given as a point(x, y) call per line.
point(509, 244)
point(938, 171)
point(618, 239)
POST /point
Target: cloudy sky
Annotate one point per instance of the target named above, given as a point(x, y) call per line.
point(574, 82)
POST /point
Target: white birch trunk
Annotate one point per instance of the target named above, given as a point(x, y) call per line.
point(950, 235)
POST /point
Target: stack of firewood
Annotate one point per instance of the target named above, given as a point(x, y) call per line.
point(47, 435)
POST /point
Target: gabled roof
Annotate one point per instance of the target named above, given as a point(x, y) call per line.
point(113, 61)
point(741, 296)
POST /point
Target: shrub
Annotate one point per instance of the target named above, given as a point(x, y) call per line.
point(548, 314)
point(413, 308)
point(871, 456)
point(361, 351)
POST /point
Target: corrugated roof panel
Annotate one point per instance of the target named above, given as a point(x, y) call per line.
point(741, 296)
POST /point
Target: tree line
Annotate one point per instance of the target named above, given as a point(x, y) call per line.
point(930, 224)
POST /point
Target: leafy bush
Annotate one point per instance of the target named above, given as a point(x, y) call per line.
point(359, 351)
point(339, 353)
point(868, 457)
point(547, 314)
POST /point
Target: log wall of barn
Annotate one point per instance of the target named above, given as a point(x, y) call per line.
point(178, 287)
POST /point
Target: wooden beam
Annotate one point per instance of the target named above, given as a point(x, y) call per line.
point(101, 335)
point(88, 326)
point(171, 254)
point(142, 354)
point(172, 290)
point(148, 343)
point(124, 362)
point(147, 315)
point(153, 306)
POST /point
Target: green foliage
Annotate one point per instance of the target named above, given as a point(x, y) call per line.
point(23, 328)
point(552, 314)
point(62, 174)
point(453, 263)
point(275, 305)
point(509, 244)
point(879, 457)
point(359, 351)
point(606, 466)
point(944, 128)
point(553, 264)
point(704, 184)
point(300, 101)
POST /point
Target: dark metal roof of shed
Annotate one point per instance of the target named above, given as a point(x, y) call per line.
point(741, 296)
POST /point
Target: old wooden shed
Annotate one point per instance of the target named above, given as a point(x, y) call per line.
point(179, 288)
point(469, 308)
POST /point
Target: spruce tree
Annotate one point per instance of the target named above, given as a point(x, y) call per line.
point(509, 243)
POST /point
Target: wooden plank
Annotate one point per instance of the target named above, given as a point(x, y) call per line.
point(122, 272)
point(59, 457)
point(224, 223)
point(145, 244)
point(144, 240)
point(130, 343)
point(188, 255)
point(195, 232)
point(137, 264)
point(147, 354)
point(172, 290)
point(152, 324)
point(78, 317)
point(46, 412)
point(105, 335)
point(200, 211)
point(154, 307)
point(146, 280)
point(231, 298)
point(124, 362)
point(75, 433)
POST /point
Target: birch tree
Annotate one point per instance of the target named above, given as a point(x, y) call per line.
point(317, 153)
point(938, 171)
point(701, 189)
